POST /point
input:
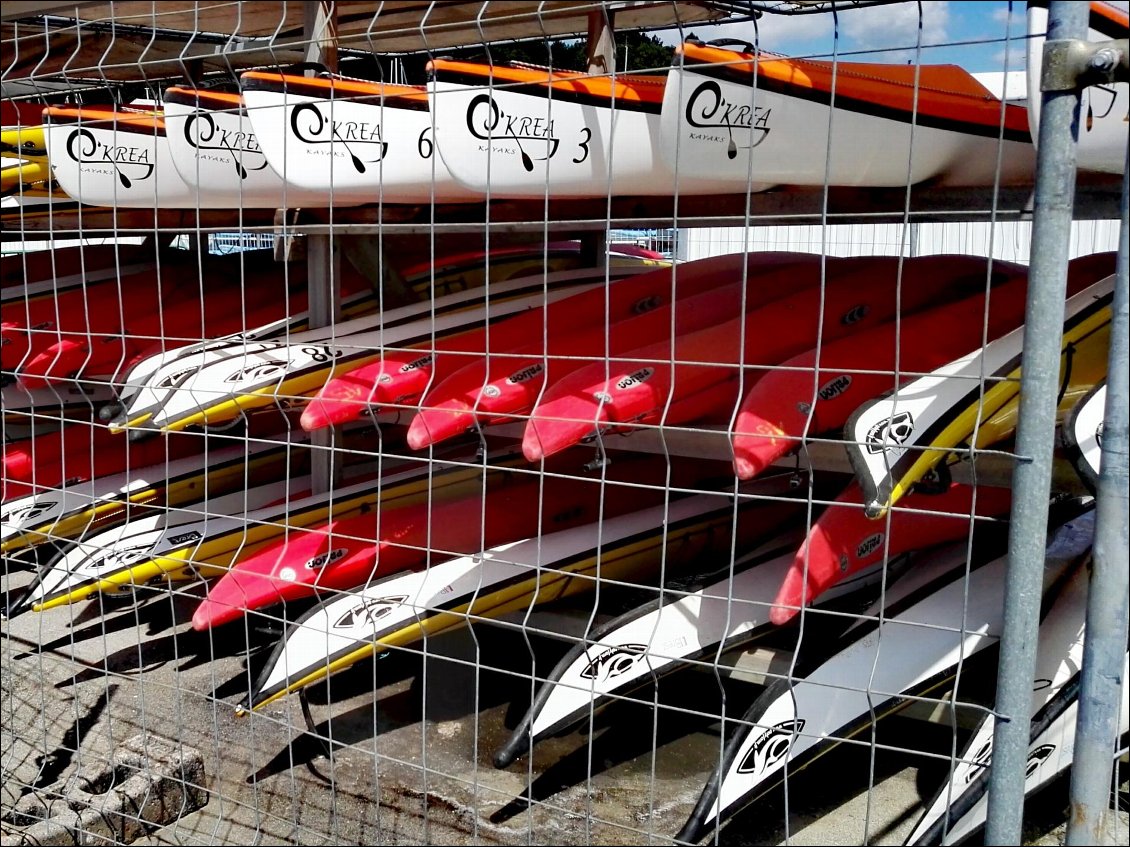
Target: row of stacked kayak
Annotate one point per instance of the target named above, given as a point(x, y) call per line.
point(912, 362)
point(719, 121)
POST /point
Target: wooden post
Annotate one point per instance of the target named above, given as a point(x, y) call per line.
point(323, 260)
point(601, 45)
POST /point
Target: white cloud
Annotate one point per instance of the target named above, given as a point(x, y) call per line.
point(896, 26)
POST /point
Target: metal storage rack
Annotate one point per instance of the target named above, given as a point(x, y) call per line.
point(191, 39)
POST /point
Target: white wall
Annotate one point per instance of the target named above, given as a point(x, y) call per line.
point(1008, 240)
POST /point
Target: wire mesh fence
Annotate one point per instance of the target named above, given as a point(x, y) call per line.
point(543, 422)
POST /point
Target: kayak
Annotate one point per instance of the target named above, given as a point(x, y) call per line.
point(1082, 435)
point(79, 452)
point(958, 809)
point(116, 157)
point(218, 154)
point(941, 613)
point(74, 510)
point(844, 541)
point(497, 507)
point(400, 377)
point(756, 120)
point(684, 626)
point(858, 295)
point(209, 547)
point(26, 413)
point(895, 441)
point(508, 381)
point(147, 531)
point(531, 132)
point(400, 610)
point(818, 390)
point(1102, 142)
point(348, 140)
point(222, 384)
point(24, 142)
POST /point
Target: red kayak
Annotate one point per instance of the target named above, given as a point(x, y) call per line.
point(794, 401)
point(80, 452)
point(67, 266)
point(494, 389)
point(349, 553)
point(844, 541)
point(402, 376)
point(859, 293)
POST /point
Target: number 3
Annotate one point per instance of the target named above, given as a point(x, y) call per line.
point(584, 145)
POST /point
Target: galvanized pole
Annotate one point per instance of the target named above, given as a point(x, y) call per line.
point(1035, 435)
point(1104, 649)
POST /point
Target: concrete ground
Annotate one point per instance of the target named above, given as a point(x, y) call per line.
point(412, 765)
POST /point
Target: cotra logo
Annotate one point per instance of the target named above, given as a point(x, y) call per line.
point(524, 375)
point(416, 364)
point(890, 432)
point(613, 662)
point(869, 545)
point(369, 612)
point(633, 379)
point(834, 387)
point(770, 746)
point(327, 558)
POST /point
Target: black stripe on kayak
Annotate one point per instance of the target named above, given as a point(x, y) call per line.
point(881, 491)
point(545, 91)
point(1071, 444)
point(695, 827)
point(729, 73)
point(296, 86)
point(703, 521)
point(520, 740)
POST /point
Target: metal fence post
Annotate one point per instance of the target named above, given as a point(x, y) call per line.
point(1035, 436)
point(1104, 647)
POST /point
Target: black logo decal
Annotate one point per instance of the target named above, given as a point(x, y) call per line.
point(116, 560)
point(185, 538)
point(869, 545)
point(129, 163)
point(890, 432)
point(33, 511)
point(613, 662)
point(201, 132)
point(707, 109)
point(855, 314)
point(414, 365)
point(980, 760)
point(638, 378)
point(1036, 758)
point(525, 374)
point(310, 126)
point(369, 611)
point(487, 122)
point(834, 387)
point(175, 377)
point(329, 558)
point(257, 372)
point(771, 746)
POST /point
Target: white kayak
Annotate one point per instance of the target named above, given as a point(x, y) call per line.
point(217, 153)
point(764, 120)
point(894, 441)
point(348, 140)
point(959, 807)
point(527, 132)
point(935, 617)
point(1103, 108)
point(661, 637)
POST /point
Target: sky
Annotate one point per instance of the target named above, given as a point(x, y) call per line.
point(890, 33)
